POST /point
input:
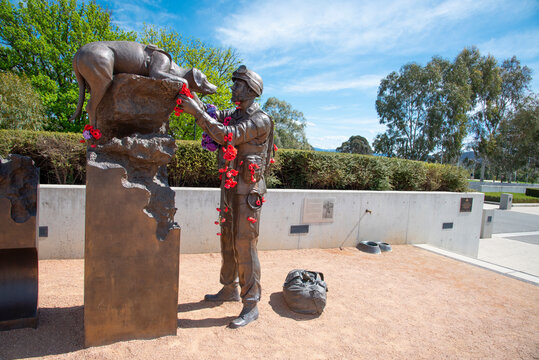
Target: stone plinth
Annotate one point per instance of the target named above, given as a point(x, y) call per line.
point(132, 242)
point(136, 104)
point(18, 253)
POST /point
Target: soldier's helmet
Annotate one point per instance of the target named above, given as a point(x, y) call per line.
point(250, 77)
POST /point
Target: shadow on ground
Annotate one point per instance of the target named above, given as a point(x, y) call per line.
point(201, 323)
point(60, 330)
point(279, 306)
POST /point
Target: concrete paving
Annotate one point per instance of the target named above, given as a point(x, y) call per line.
point(513, 249)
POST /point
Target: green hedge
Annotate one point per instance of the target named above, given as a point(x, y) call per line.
point(61, 158)
point(534, 192)
point(517, 197)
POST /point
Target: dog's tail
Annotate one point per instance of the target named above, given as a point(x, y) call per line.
point(82, 90)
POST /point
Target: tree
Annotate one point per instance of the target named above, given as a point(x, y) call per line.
point(20, 104)
point(216, 63)
point(403, 103)
point(448, 112)
point(518, 139)
point(40, 37)
point(290, 125)
point(496, 92)
point(357, 144)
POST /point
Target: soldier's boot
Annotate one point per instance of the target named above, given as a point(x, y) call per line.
point(247, 315)
point(227, 293)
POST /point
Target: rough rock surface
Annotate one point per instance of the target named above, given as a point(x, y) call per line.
point(144, 159)
point(19, 179)
point(136, 104)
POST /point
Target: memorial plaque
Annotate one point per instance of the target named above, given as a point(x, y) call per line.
point(466, 204)
point(318, 210)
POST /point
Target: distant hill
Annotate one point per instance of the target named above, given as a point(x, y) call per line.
point(467, 155)
point(326, 150)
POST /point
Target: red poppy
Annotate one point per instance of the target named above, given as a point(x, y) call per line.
point(218, 234)
point(82, 141)
point(275, 147)
point(218, 209)
point(96, 133)
point(226, 120)
point(241, 162)
point(185, 91)
point(93, 145)
point(226, 209)
point(216, 222)
point(237, 102)
point(272, 161)
point(258, 203)
point(230, 183)
point(230, 153)
point(179, 101)
point(88, 127)
point(223, 220)
point(251, 219)
point(222, 170)
point(253, 178)
point(263, 200)
point(234, 172)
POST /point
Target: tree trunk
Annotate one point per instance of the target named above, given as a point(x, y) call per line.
point(482, 178)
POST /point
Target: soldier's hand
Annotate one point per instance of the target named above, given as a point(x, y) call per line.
point(189, 105)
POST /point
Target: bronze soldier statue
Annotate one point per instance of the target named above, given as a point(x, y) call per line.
point(248, 130)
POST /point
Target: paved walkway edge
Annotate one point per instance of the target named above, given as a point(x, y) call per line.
point(486, 265)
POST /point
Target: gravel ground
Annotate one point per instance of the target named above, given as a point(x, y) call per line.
point(407, 304)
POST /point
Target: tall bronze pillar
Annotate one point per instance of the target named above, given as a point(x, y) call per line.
point(132, 244)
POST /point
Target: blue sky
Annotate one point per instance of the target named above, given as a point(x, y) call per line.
point(326, 58)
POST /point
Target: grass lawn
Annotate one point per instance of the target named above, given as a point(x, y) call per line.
point(517, 197)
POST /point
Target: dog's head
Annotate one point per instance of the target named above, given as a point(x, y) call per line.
point(198, 82)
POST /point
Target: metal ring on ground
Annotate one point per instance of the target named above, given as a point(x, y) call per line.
point(384, 246)
point(369, 247)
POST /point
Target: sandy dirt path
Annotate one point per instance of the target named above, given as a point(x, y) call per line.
point(407, 304)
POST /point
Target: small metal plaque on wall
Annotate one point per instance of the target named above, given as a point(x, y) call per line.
point(318, 210)
point(466, 204)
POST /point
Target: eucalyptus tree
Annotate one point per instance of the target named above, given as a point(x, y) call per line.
point(290, 124)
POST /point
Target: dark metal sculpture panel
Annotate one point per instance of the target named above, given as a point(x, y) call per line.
point(19, 180)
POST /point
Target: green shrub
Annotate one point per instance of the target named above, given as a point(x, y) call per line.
point(62, 159)
point(517, 197)
point(534, 192)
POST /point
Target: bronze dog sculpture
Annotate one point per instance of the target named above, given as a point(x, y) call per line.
point(96, 63)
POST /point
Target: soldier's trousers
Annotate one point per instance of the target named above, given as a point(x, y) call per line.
point(239, 238)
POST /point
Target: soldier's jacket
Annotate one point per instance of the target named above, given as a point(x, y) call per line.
point(252, 135)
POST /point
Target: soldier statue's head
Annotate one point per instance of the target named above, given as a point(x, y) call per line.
point(247, 84)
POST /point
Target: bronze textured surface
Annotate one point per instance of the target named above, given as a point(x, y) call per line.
point(118, 115)
point(131, 278)
point(12, 234)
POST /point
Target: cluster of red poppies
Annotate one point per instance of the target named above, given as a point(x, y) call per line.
point(229, 137)
point(230, 152)
point(90, 132)
point(252, 168)
point(184, 91)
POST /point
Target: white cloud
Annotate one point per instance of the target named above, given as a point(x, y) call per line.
point(308, 123)
point(524, 45)
point(330, 107)
point(346, 25)
point(132, 15)
point(332, 82)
